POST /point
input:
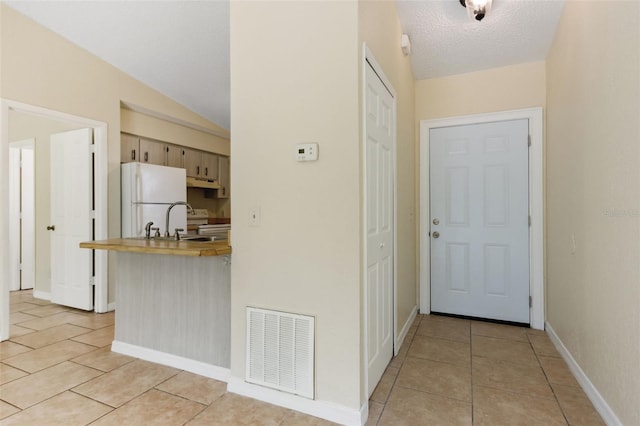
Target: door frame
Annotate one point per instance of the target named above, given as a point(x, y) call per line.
point(536, 204)
point(367, 57)
point(100, 191)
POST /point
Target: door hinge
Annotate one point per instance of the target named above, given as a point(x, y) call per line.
point(92, 149)
point(530, 301)
point(529, 220)
point(528, 140)
point(92, 214)
point(92, 281)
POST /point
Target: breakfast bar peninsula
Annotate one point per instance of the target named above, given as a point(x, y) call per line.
point(173, 302)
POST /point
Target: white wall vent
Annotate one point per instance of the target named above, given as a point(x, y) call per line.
point(280, 351)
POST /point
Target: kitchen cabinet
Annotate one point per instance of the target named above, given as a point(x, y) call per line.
point(129, 148)
point(209, 166)
point(224, 177)
point(192, 161)
point(152, 152)
point(200, 164)
point(173, 155)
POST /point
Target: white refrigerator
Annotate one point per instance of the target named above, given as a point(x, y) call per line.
point(147, 190)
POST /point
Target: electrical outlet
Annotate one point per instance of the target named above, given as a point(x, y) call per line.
point(254, 216)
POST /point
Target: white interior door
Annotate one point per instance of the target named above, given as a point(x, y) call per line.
point(27, 229)
point(379, 225)
point(14, 218)
point(22, 215)
point(479, 220)
point(71, 215)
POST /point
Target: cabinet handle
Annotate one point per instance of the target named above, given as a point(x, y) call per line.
point(198, 170)
point(146, 157)
point(206, 171)
point(133, 155)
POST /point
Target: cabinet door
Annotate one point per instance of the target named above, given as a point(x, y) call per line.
point(210, 166)
point(224, 177)
point(129, 148)
point(152, 152)
point(174, 155)
point(192, 161)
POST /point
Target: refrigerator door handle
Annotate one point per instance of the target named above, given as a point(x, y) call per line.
point(138, 206)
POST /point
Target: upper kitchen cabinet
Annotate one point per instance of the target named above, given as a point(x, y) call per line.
point(192, 161)
point(224, 177)
point(153, 152)
point(129, 148)
point(135, 148)
point(200, 164)
point(173, 155)
point(210, 166)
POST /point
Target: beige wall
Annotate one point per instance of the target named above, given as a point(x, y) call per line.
point(25, 126)
point(380, 29)
point(294, 78)
point(593, 196)
point(41, 68)
point(496, 89)
point(151, 127)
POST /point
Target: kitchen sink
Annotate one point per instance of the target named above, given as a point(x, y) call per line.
point(198, 238)
point(191, 238)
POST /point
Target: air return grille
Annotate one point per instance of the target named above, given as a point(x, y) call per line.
point(280, 351)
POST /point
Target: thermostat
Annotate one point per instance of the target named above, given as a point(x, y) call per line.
point(307, 151)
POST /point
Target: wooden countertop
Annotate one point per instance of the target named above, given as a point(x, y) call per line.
point(176, 248)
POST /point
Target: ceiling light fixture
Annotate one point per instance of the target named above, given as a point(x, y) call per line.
point(476, 9)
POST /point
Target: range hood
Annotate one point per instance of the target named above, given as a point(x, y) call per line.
point(202, 183)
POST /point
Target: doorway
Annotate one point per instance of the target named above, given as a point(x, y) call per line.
point(99, 151)
point(534, 177)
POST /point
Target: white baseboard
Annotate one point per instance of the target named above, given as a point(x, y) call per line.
point(44, 295)
point(323, 409)
point(186, 364)
point(405, 329)
point(597, 400)
point(111, 307)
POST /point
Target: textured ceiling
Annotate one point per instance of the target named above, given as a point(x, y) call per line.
point(181, 48)
point(445, 41)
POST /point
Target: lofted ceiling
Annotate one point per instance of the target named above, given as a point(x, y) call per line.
point(181, 48)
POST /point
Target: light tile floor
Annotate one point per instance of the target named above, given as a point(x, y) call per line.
point(58, 368)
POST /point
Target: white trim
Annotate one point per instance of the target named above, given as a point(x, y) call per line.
point(323, 409)
point(111, 307)
point(101, 188)
point(367, 57)
point(599, 403)
point(4, 223)
point(405, 329)
point(175, 361)
point(43, 295)
point(536, 203)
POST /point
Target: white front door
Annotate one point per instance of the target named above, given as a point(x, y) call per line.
point(380, 128)
point(71, 218)
point(479, 220)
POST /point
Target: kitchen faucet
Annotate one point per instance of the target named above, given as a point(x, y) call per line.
point(177, 203)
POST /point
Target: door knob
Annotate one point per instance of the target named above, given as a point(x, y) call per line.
point(51, 228)
point(436, 234)
point(436, 221)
